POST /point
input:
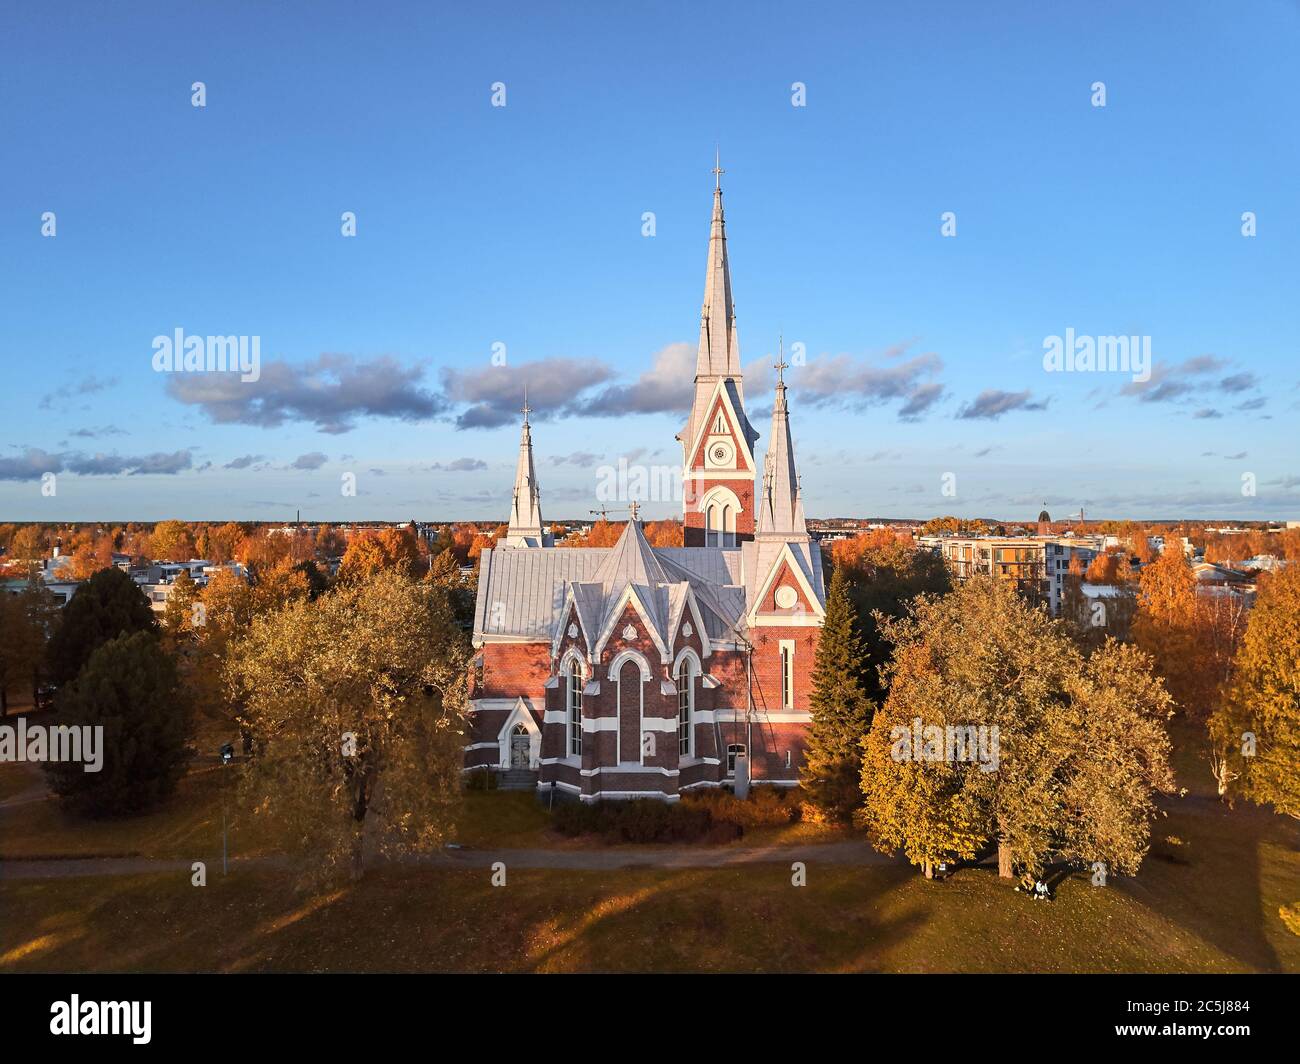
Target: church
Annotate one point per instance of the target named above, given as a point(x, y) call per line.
point(635, 671)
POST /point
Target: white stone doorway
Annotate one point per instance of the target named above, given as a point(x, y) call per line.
point(520, 743)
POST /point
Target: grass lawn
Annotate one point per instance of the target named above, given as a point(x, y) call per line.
point(1206, 900)
point(751, 919)
point(188, 825)
point(18, 777)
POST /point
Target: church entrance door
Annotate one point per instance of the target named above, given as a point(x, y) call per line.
point(519, 743)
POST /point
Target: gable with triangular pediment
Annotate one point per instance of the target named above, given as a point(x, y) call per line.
point(721, 426)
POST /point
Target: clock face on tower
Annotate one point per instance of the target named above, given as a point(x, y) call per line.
point(720, 454)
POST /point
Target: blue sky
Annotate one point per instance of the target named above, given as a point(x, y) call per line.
point(522, 225)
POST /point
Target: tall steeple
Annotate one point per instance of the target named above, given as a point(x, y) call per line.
point(718, 463)
point(780, 514)
point(719, 350)
point(526, 510)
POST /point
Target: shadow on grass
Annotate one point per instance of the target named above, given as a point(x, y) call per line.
point(1204, 872)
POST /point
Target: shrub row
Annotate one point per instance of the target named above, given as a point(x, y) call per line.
point(765, 807)
point(715, 817)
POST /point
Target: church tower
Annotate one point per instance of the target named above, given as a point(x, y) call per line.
point(526, 508)
point(718, 468)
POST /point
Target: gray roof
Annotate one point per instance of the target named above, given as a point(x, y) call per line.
point(522, 591)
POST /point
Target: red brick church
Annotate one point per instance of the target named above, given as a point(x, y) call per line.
point(637, 671)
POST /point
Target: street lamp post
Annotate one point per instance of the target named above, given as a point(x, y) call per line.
point(227, 755)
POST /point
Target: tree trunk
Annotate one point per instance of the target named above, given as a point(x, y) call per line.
point(358, 855)
point(928, 867)
point(1004, 861)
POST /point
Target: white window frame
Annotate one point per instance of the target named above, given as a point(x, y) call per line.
point(686, 723)
point(573, 684)
point(787, 674)
point(734, 750)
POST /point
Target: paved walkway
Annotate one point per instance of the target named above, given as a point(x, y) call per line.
point(840, 853)
point(836, 853)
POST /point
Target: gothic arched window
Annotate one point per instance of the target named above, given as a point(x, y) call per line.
point(686, 707)
point(573, 708)
point(712, 525)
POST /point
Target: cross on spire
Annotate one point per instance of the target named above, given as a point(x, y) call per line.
point(781, 364)
point(526, 409)
point(717, 168)
point(634, 506)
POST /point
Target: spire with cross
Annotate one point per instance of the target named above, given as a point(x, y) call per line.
point(526, 408)
point(717, 168)
point(781, 512)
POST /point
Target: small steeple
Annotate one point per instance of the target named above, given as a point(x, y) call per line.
point(526, 508)
point(780, 514)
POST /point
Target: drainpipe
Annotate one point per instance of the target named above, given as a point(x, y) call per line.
point(749, 712)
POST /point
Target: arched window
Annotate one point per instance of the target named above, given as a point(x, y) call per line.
point(629, 706)
point(721, 512)
point(787, 674)
point(573, 706)
point(686, 708)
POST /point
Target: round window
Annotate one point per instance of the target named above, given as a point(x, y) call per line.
point(786, 596)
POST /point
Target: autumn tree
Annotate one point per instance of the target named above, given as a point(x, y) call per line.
point(223, 543)
point(987, 736)
point(1107, 568)
point(329, 543)
point(25, 621)
point(171, 541)
point(368, 553)
point(1256, 730)
point(317, 582)
point(664, 533)
point(884, 574)
point(356, 704)
point(841, 712)
point(178, 614)
point(1112, 728)
point(28, 544)
point(129, 688)
point(401, 549)
point(444, 570)
point(91, 554)
point(1165, 626)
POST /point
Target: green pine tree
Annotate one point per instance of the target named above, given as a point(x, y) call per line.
point(129, 688)
point(107, 605)
point(841, 711)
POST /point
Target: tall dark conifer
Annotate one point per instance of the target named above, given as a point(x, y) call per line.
point(841, 711)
